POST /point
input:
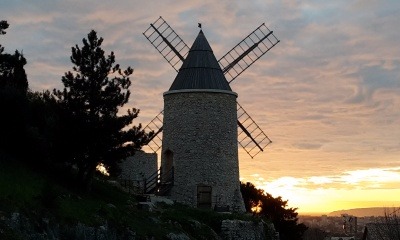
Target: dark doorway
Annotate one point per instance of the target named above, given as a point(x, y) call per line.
point(169, 159)
point(204, 196)
point(168, 168)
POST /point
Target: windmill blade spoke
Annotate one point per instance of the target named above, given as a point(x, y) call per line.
point(155, 125)
point(250, 136)
point(167, 42)
point(245, 53)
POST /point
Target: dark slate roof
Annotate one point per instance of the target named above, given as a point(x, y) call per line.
point(200, 69)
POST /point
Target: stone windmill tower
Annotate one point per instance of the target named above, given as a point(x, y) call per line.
point(201, 117)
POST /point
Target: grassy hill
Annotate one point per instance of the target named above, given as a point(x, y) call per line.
point(50, 200)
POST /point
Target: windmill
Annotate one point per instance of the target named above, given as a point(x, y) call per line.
point(201, 117)
point(174, 50)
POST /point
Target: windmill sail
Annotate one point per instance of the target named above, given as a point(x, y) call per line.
point(167, 42)
point(236, 61)
point(250, 136)
point(245, 53)
point(155, 125)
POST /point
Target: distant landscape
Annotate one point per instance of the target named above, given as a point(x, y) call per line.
point(358, 212)
point(363, 212)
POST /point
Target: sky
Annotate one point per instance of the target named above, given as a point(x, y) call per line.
point(328, 95)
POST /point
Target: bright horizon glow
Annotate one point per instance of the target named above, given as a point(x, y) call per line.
point(352, 189)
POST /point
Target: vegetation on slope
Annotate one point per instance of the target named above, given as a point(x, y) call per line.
point(33, 193)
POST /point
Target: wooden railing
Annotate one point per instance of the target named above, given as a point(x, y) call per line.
point(159, 183)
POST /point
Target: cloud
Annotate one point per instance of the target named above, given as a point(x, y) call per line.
point(309, 146)
point(373, 179)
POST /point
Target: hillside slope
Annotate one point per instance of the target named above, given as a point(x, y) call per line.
point(34, 205)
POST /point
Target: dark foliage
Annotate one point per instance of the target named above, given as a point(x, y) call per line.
point(44, 122)
point(3, 26)
point(92, 131)
point(13, 127)
point(13, 100)
point(28, 127)
point(12, 71)
point(275, 209)
point(387, 227)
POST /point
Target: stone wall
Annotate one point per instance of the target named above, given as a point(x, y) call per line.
point(247, 230)
point(200, 139)
point(18, 226)
point(139, 166)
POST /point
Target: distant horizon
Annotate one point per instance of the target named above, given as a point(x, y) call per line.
point(352, 211)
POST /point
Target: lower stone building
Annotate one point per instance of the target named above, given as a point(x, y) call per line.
point(139, 167)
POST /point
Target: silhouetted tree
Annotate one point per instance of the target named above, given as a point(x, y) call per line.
point(12, 72)
point(14, 108)
point(3, 26)
point(13, 101)
point(94, 132)
point(44, 122)
point(251, 195)
point(275, 209)
point(387, 227)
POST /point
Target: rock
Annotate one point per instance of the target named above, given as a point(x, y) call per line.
point(103, 228)
point(113, 183)
point(15, 220)
point(129, 234)
point(196, 224)
point(238, 230)
point(147, 206)
point(158, 199)
point(155, 220)
point(19, 226)
point(177, 236)
point(110, 205)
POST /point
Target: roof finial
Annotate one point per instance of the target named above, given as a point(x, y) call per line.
point(199, 25)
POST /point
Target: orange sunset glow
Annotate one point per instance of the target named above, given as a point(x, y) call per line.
point(328, 95)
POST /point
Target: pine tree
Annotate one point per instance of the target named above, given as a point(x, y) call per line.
point(12, 72)
point(13, 100)
point(94, 133)
point(3, 26)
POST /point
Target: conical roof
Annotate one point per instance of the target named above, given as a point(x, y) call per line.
point(200, 69)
